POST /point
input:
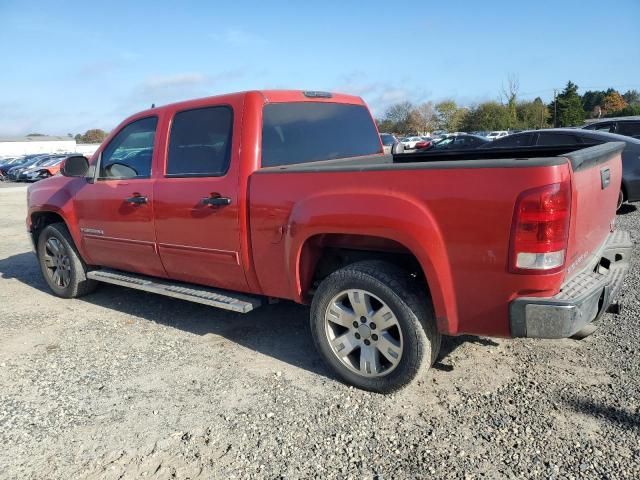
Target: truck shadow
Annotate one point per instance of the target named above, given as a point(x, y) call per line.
point(450, 344)
point(627, 208)
point(280, 330)
point(608, 413)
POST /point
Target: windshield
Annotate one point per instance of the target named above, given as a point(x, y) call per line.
point(387, 139)
point(444, 142)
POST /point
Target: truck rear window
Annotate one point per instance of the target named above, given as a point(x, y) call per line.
point(312, 131)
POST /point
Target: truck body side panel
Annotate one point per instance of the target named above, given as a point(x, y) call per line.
point(456, 221)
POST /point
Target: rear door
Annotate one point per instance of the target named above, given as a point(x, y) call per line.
point(115, 212)
point(196, 197)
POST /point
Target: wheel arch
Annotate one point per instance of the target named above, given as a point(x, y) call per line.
point(39, 220)
point(392, 232)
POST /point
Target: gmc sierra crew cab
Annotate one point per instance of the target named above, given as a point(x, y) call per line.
point(235, 200)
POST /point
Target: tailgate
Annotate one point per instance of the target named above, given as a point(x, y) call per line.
point(597, 175)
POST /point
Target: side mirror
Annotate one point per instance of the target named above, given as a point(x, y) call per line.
point(396, 148)
point(75, 166)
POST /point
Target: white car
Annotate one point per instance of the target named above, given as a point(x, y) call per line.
point(410, 142)
point(497, 134)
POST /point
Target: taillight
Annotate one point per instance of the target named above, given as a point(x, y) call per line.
point(541, 229)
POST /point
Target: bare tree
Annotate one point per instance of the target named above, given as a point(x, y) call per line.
point(424, 118)
point(400, 115)
point(509, 96)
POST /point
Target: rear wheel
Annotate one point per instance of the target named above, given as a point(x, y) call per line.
point(620, 200)
point(373, 326)
point(60, 262)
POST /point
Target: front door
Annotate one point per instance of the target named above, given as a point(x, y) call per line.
point(115, 211)
point(196, 205)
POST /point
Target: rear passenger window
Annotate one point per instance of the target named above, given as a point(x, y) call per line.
point(550, 139)
point(604, 127)
point(313, 131)
point(630, 129)
point(516, 140)
point(200, 142)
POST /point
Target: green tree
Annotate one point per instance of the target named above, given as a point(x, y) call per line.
point(450, 116)
point(626, 111)
point(36, 135)
point(385, 125)
point(568, 106)
point(488, 116)
point(632, 97)
point(532, 115)
point(592, 99)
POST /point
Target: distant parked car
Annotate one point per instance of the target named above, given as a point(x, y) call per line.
point(630, 191)
point(6, 165)
point(388, 140)
point(497, 134)
point(15, 172)
point(425, 143)
point(45, 170)
point(629, 126)
point(410, 142)
point(458, 142)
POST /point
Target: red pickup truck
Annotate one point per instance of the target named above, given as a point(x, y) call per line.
point(237, 199)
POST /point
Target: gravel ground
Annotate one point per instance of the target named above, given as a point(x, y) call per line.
point(123, 384)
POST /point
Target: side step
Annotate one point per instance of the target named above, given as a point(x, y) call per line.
point(235, 302)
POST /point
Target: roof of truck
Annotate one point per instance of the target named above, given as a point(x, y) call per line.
point(274, 96)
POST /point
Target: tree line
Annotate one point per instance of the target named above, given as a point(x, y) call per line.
point(93, 135)
point(567, 109)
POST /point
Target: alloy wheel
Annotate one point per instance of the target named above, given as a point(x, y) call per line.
point(363, 333)
point(57, 262)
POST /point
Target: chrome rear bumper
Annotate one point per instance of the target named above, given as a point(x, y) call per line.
point(581, 300)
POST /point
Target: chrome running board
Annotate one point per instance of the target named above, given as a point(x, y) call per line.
point(235, 302)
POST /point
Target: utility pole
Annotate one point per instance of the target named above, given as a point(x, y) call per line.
point(555, 109)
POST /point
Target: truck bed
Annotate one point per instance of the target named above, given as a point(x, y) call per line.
point(453, 210)
point(481, 158)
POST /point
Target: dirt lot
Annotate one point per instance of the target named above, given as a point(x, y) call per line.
point(122, 384)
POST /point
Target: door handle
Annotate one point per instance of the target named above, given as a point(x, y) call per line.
point(216, 201)
point(136, 200)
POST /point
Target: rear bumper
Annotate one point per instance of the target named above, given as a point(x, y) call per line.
point(581, 300)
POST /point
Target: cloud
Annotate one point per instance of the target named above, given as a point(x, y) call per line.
point(172, 81)
point(104, 66)
point(379, 95)
point(238, 37)
point(160, 89)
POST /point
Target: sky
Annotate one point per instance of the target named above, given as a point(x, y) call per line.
point(70, 66)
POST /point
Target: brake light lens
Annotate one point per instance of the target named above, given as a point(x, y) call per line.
point(541, 229)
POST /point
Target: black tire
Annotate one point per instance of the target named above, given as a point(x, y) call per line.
point(620, 201)
point(78, 284)
point(409, 302)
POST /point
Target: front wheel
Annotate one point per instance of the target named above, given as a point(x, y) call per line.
point(373, 326)
point(61, 265)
